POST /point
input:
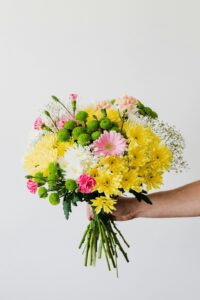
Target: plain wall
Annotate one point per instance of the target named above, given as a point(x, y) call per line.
point(101, 50)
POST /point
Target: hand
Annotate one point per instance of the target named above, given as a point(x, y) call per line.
point(126, 209)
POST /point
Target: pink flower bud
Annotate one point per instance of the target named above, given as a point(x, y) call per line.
point(73, 97)
point(38, 124)
point(63, 120)
point(32, 186)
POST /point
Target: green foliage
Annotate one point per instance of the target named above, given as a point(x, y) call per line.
point(141, 196)
point(68, 200)
point(146, 111)
point(115, 129)
point(63, 135)
point(81, 116)
point(84, 139)
point(53, 168)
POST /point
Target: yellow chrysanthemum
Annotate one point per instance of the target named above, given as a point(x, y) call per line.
point(104, 203)
point(137, 155)
point(161, 156)
point(153, 180)
point(108, 183)
point(113, 115)
point(137, 134)
point(92, 112)
point(131, 180)
point(47, 150)
point(113, 163)
point(94, 172)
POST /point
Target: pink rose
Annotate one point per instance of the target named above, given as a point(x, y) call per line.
point(63, 120)
point(38, 124)
point(86, 183)
point(73, 97)
point(32, 186)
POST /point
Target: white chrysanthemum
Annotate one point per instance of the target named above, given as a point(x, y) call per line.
point(76, 161)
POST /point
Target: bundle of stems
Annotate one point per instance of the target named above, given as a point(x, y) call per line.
point(102, 236)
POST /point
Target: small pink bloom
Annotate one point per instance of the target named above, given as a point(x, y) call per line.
point(127, 102)
point(86, 183)
point(109, 143)
point(63, 120)
point(32, 186)
point(73, 97)
point(38, 124)
point(103, 105)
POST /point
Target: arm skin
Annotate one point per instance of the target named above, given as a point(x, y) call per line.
point(181, 202)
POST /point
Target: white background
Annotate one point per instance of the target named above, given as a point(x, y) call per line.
point(99, 49)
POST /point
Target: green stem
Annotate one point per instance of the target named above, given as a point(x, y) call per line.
point(84, 236)
point(123, 238)
point(105, 251)
point(60, 102)
point(104, 230)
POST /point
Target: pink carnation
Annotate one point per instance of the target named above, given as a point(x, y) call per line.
point(38, 124)
point(63, 120)
point(73, 97)
point(109, 143)
point(86, 183)
point(127, 102)
point(32, 186)
point(103, 105)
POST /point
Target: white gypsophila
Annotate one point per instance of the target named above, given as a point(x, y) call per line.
point(76, 161)
point(172, 139)
point(135, 117)
point(57, 111)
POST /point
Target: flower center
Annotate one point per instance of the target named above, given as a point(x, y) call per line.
point(109, 146)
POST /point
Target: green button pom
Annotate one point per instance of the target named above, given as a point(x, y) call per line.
point(63, 135)
point(42, 192)
point(54, 199)
point(77, 131)
point(70, 125)
point(106, 124)
point(71, 184)
point(84, 139)
point(96, 135)
point(81, 116)
point(93, 126)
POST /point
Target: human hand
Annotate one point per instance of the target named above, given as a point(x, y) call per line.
point(126, 209)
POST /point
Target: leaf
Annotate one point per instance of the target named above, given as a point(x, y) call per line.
point(141, 196)
point(74, 199)
point(66, 208)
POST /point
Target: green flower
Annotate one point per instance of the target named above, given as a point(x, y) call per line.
point(70, 125)
point(42, 192)
point(81, 116)
point(96, 135)
point(53, 167)
point(39, 178)
point(63, 135)
point(84, 139)
point(54, 199)
point(92, 126)
point(106, 123)
point(52, 180)
point(77, 131)
point(115, 129)
point(71, 184)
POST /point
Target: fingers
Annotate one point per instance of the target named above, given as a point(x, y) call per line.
point(89, 212)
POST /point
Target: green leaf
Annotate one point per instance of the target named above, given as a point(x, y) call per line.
point(141, 196)
point(66, 208)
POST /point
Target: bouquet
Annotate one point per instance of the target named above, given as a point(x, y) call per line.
point(96, 153)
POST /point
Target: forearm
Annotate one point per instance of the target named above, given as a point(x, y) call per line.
point(181, 202)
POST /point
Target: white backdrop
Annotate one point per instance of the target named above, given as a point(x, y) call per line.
point(99, 49)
